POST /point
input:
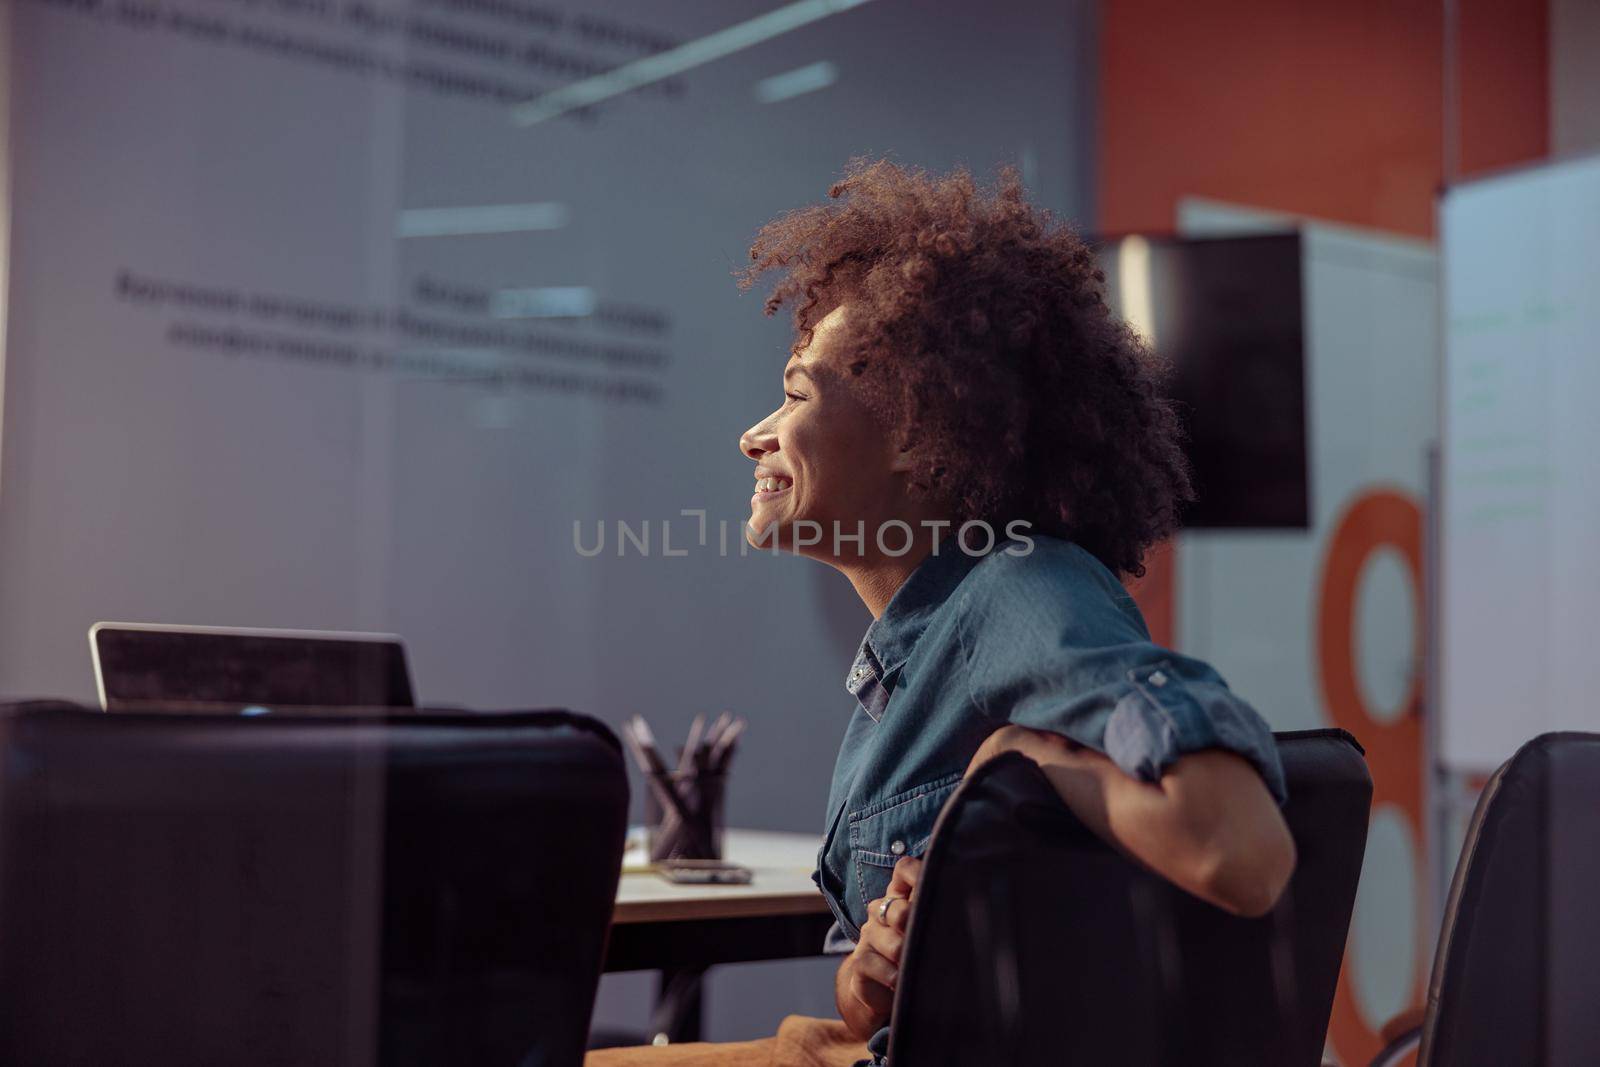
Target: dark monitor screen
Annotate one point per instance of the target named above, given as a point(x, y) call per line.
point(155, 667)
point(1228, 314)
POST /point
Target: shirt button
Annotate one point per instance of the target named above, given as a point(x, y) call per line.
point(1158, 679)
point(898, 848)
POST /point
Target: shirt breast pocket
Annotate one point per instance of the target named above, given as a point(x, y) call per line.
point(897, 826)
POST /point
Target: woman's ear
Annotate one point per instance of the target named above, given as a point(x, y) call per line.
point(903, 459)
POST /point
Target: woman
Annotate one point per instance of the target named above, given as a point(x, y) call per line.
point(971, 438)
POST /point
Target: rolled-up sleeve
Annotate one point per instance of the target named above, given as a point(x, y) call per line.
point(1057, 645)
point(1177, 705)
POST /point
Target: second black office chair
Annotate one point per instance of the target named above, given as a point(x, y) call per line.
point(341, 891)
point(1516, 977)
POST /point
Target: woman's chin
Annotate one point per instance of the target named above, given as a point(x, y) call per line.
point(769, 527)
point(759, 529)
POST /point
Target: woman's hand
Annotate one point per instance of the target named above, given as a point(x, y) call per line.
point(864, 987)
point(1040, 745)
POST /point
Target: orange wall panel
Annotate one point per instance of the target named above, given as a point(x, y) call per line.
point(1504, 75)
point(1330, 110)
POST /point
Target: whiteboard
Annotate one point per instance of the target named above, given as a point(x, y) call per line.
point(1519, 520)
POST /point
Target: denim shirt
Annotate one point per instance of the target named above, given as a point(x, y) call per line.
point(1046, 638)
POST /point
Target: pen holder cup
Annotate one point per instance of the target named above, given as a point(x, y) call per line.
point(691, 829)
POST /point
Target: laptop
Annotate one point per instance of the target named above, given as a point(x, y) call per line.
point(146, 667)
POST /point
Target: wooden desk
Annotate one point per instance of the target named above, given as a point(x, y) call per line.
point(681, 930)
point(781, 863)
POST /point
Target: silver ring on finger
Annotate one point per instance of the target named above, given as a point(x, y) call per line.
point(883, 910)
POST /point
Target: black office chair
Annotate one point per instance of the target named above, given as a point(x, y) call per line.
point(336, 890)
point(1035, 943)
point(1516, 977)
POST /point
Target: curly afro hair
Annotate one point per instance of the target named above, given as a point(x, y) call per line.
point(978, 327)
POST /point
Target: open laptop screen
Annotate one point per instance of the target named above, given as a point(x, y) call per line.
point(141, 667)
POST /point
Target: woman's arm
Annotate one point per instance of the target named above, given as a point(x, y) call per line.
point(1208, 826)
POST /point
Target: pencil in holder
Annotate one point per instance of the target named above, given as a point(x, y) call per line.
point(683, 815)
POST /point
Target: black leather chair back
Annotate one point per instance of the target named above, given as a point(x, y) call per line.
point(1035, 943)
point(334, 890)
point(1516, 978)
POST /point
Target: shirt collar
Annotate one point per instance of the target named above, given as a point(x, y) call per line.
point(891, 637)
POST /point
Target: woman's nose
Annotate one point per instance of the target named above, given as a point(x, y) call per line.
point(758, 440)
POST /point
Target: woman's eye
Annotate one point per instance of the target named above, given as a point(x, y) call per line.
point(794, 396)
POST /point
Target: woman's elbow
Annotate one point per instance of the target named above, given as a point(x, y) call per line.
point(1248, 878)
point(1236, 830)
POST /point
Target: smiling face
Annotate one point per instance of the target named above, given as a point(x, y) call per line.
point(823, 457)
